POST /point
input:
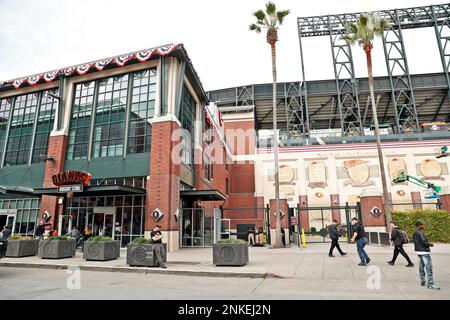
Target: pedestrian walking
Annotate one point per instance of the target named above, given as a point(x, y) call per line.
point(157, 237)
point(283, 237)
point(422, 248)
point(360, 238)
point(398, 237)
point(334, 236)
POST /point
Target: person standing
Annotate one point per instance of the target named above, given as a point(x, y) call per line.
point(40, 230)
point(157, 237)
point(422, 248)
point(398, 240)
point(334, 236)
point(251, 235)
point(4, 235)
point(359, 236)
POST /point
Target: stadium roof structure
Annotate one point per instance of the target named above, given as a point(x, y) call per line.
point(430, 91)
point(405, 101)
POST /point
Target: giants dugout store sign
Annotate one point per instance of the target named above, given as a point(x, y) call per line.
point(71, 180)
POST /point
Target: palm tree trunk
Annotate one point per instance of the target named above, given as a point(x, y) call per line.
point(278, 242)
point(387, 207)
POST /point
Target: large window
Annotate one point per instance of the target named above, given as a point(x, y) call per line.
point(128, 217)
point(26, 214)
point(5, 108)
point(187, 118)
point(80, 121)
point(142, 111)
point(208, 168)
point(44, 125)
point(110, 117)
point(21, 130)
point(108, 102)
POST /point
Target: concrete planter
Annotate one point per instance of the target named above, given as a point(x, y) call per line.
point(230, 254)
point(143, 255)
point(22, 248)
point(57, 249)
point(101, 250)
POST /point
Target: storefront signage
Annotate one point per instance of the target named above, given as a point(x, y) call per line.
point(70, 188)
point(71, 177)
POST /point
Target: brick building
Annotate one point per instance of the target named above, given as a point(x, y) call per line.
point(120, 144)
point(138, 127)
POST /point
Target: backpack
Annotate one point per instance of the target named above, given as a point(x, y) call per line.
point(403, 236)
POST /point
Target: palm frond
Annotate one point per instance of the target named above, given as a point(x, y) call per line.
point(365, 29)
point(254, 27)
point(271, 9)
point(349, 38)
point(260, 15)
point(362, 20)
point(281, 15)
point(261, 23)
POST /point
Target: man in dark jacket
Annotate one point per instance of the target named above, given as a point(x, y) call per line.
point(4, 235)
point(40, 229)
point(422, 248)
point(334, 236)
point(397, 239)
point(359, 237)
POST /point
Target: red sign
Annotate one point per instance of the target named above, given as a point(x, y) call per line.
point(71, 177)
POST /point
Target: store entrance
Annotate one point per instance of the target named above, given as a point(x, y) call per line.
point(6, 220)
point(102, 221)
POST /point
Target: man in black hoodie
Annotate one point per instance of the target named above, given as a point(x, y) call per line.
point(334, 236)
point(397, 239)
point(422, 248)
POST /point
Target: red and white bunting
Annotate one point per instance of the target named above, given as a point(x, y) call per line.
point(84, 68)
point(120, 61)
point(165, 50)
point(50, 76)
point(69, 71)
point(143, 56)
point(18, 82)
point(33, 80)
point(99, 65)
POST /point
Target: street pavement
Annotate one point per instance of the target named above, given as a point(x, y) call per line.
point(289, 273)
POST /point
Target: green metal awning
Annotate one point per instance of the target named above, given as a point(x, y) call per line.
point(204, 195)
point(21, 191)
point(104, 190)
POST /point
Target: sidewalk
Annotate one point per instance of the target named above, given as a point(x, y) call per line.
point(309, 263)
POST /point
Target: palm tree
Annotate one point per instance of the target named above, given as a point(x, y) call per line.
point(270, 19)
point(366, 28)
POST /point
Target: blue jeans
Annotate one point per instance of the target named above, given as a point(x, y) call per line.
point(360, 244)
point(426, 265)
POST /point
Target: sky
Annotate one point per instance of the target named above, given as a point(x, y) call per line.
point(38, 36)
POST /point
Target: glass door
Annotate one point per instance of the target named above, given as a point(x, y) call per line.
point(65, 225)
point(108, 225)
point(10, 220)
point(192, 228)
point(102, 223)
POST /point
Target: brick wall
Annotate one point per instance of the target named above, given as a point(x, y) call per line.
point(57, 147)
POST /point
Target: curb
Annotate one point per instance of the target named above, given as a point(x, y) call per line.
point(141, 270)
